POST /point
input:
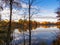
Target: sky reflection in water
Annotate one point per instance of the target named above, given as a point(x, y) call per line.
point(39, 35)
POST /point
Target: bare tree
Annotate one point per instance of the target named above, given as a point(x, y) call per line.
point(1, 8)
point(9, 28)
point(0, 12)
point(11, 3)
point(30, 14)
point(30, 4)
point(58, 12)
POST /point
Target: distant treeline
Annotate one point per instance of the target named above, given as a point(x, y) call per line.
point(25, 23)
point(22, 24)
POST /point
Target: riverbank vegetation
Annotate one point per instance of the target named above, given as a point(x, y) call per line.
point(22, 25)
point(26, 23)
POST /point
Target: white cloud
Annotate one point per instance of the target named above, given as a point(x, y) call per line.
point(17, 13)
point(24, 5)
point(6, 12)
point(48, 20)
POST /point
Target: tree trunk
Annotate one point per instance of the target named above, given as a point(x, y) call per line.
point(9, 27)
point(0, 17)
point(29, 25)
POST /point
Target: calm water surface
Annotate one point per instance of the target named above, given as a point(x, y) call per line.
point(40, 36)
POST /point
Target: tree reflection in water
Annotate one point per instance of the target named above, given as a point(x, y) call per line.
point(19, 38)
point(57, 41)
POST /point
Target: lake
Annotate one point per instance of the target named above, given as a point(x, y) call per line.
point(43, 35)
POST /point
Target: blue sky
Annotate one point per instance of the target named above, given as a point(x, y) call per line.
point(49, 5)
point(45, 7)
point(48, 8)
